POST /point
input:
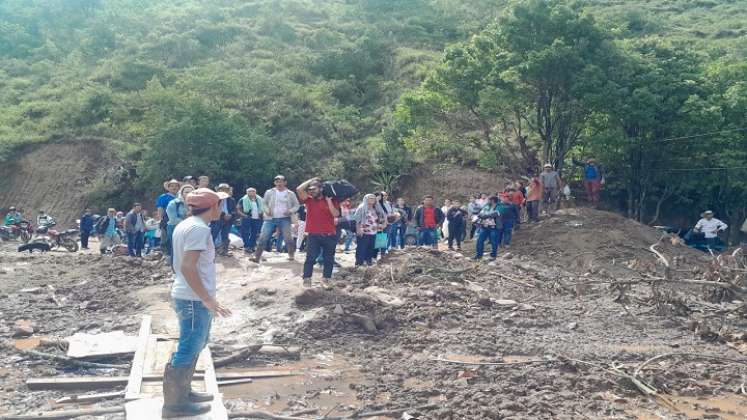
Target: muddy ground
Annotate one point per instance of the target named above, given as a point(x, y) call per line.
point(554, 328)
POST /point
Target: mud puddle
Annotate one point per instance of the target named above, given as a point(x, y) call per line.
point(324, 382)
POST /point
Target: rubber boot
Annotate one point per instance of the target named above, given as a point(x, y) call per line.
point(176, 403)
point(196, 396)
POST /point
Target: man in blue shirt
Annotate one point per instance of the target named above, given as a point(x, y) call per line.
point(171, 187)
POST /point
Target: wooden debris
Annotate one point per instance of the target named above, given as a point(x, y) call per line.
point(138, 361)
point(60, 359)
point(115, 343)
point(69, 414)
point(238, 356)
point(91, 397)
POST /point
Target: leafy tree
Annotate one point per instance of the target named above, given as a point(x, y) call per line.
point(198, 139)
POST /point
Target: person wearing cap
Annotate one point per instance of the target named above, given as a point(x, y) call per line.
point(250, 208)
point(593, 179)
point(320, 228)
point(193, 295)
point(551, 185)
point(709, 226)
point(12, 217)
point(280, 204)
point(221, 228)
point(162, 203)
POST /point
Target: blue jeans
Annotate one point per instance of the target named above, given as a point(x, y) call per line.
point(250, 232)
point(268, 227)
point(169, 237)
point(194, 330)
point(508, 228)
point(427, 236)
point(135, 244)
point(349, 239)
point(488, 233)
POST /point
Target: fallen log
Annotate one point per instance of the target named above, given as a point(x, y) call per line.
point(90, 398)
point(61, 359)
point(525, 362)
point(60, 415)
point(238, 356)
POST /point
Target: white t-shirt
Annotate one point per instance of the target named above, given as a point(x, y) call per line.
point(282, 204)
point(193, 234)
point(710, 227)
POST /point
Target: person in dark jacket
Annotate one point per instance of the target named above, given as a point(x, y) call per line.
point(86, 228)
point(428, 218)
point(227, 217)
point(457, 217)
point(399, 230)
point(509, 216)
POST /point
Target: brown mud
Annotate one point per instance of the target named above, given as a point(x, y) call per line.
point(532, 335)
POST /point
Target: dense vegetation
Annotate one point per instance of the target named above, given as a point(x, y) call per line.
point(364, 89)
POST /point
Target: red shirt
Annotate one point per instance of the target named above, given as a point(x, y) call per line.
point(429, 217)
point(319, 219)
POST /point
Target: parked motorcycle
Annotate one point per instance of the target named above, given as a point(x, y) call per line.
point(67, 239)
point(22, 230)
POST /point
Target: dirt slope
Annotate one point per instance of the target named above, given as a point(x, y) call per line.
point(56, 177)
point(447, 181)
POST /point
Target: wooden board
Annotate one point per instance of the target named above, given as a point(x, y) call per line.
point(148, 406)
point(115, 343)
point(103, 382)
point(138, 362)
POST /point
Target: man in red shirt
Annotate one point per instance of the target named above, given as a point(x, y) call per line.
point(427, 220)
point(321, 233)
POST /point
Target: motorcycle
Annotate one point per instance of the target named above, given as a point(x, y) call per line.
point(22, 230)
point(67, 239)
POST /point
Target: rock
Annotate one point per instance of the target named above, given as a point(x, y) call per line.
point(506, 302)
point(338, 310)
point(572, 325)
point(366, 322)
point(23, 328)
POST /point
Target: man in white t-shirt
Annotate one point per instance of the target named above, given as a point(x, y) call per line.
point(194, 299)
point(710, 227)
point(280, 204)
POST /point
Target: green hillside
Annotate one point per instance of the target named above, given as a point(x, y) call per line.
point(298, 86)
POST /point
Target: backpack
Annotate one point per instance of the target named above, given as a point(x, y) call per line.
point(340, 190)
point(102, 224)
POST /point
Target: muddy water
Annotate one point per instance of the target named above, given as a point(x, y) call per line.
point(324, 381)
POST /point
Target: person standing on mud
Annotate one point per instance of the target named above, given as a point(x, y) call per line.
point(428, 218)
point(551, 185)
point(369, 220)
point(106, 228)
point(86, 228)
point(534, 195)
point(172, 188)
point(12, 217)
point(135, 229)
point(321, 232)
point(250, 209)
point(203, 181)
point(457, 218)
point(593, 179)
point(221, 228)
point(490, 223)
point(193, 295)
point(399, 230)
point(509, 216)
point(280, 204)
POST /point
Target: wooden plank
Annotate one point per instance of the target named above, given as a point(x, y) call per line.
point(102, 382)
point(91, 397)
point(138, 362)
point(150, 368)
point(150, 407)
point(235, 381)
